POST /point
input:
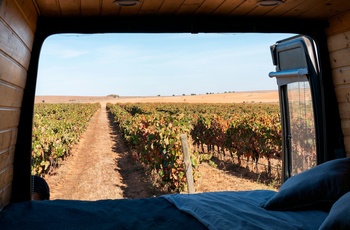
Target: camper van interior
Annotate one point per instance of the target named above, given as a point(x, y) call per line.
point(311, 72)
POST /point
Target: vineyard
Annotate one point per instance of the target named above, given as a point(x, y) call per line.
point(238, 131)
point(56, 128)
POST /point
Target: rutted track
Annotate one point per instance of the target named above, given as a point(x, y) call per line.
point(99, 167)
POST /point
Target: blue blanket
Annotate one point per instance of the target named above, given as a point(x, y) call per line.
point(215, 210)
point(242, 210)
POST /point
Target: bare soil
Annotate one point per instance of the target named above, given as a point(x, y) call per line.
point(101, 166)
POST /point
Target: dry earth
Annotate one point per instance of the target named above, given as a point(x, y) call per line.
point(101, 167)
point(238, 97)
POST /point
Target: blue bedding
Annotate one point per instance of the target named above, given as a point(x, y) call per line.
point(215, 210)
point(243, 210)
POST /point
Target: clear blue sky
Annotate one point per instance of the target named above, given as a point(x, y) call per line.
point(155, 64)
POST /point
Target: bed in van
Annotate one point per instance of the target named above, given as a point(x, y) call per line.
point(318, 60)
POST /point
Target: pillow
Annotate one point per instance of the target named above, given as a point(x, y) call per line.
point(316, 188)
point(339, 216)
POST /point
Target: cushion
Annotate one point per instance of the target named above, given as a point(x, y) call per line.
point(316, 188)
point(339, 215)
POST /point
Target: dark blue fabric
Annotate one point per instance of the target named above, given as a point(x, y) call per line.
point(151, 213)
point(316, 188)
point(217, 210)
point(339, 216)
point(242, 210)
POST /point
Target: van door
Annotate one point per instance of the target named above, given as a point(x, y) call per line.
point(296, 68)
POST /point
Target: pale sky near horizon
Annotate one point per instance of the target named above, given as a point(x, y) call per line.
point(155, 64)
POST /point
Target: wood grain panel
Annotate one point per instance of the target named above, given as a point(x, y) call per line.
point(70, 8)
point(190, 6)
point(209, 6)
point(14, 133)
point(285, 8)
point(151, 7)
point(11, 72)
point(6, 176)
point(325, 8)
point(347, 146)
point(90, 8)
point(49, 8)
point(228, 6)
point(344, 110)
point(109, 8)
point(9, 118)
point(339, 41)
point(13, 46)
point(6, 158)
point(342, 93)
point(245, 8)
point(129, 10)
point(291, 8)
point(301, 8)
point(11, 13)
point(262, 10)
point(5, 139)
point(170, 7)
point(340, 58)
point(341, 76)
point(8, 138)
point(30, 12)
point(11, 96)
point(338, 24)
point(346, 127)
point(5, 195)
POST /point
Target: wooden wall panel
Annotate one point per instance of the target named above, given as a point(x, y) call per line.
point(7, 138)
point(50, 8)
point(11, 96)
point(151, 7)
point(6, 158)
point(226, 7)
point(17, 22)
point(343, 94)
point(11, 72)
point(5, 195)
point(189, 6)
point(134, 10)
point(108, 8)
point(339, 58)
point(90, 8)
point(347, 146)
point(339, 50)
point(17, 28)
point(339, 41)
point(70, 8)
point(338, 24)
point(170, 7)
point(6, 176)
point(341, 76)
point(29, 12)
point(344, 110)
point(346, 127)
point(208, 7)
point(12, 46)
point(9, 118)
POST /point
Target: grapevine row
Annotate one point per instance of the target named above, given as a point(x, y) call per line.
point(156, 139)
point(56, 128)
point(249, 130)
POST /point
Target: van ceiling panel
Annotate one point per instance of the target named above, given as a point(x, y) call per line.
point(315, 9)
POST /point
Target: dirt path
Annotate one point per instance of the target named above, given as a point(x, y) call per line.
point(99, 167)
